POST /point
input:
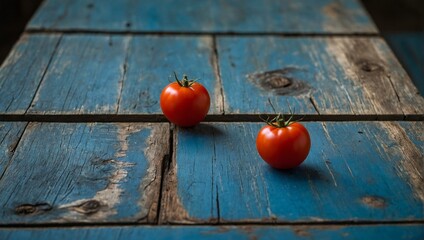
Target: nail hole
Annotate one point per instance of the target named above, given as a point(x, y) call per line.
point(90, 6)
point(128, 24)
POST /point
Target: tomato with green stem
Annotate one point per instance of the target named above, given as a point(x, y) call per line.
point(283, 144)
point(185, 102)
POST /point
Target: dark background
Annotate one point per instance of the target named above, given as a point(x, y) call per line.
point(389, 15)
point(14, 14)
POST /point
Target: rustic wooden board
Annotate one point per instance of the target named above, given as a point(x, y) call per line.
point(10, 134)
point(413, 231)
point(84, 172)
point(274, 16)
point(354, 76)
point(84, 77)
point(409, 49)
point(22, 71)
point(102, 74)
point(150, 65)
point(356, 171)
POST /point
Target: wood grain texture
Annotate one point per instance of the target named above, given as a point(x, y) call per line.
point(104, 75)
point(342, 76)
point(84, 76)
point(410, 51)
point(395, 232)
point(109, 75)
point(151, 61)
point(22, 71)
point(410, 139)
point(84, 172)
point(380, 75)
point(10, 134)
point(364, 171)
point(272, 16)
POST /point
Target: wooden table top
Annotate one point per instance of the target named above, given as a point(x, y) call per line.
point(85, 151)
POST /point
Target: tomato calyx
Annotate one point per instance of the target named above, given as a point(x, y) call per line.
point(185, 82)
point(279, 121)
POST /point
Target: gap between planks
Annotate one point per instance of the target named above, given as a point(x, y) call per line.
point(195, 33)
point(210, 118)
point(229, 224)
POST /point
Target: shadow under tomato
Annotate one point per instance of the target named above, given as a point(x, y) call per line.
point(304, 172)
point(202, 129)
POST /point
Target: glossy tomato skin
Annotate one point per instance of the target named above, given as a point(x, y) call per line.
point(285, 147)
point(185, 106)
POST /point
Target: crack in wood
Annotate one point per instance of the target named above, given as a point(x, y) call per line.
point(155, 152)
point(14, 147)
point(37, 93)
point(124, 70)
point(172, 209)
point(218, 91)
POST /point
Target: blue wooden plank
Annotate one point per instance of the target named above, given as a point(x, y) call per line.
point(84, 172)
point(92, 74)
point(150, 65)
point(22, 71)
point(396, 232)
point(356, 171)
point(409, 49)
point(10, 133)
point(84, 77)
point(273, 16)
point(344, 76)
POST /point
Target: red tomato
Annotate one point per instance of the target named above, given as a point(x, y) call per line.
point(185, 102)
point(283, 147)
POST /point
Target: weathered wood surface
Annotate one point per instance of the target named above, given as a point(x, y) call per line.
point(10, 134)
point(409, 48)
point(395, 232)
point(103, 74)
point(83, 77)
point(84, 172)
point(353, 76)
point(356, 171)
point(22, 71)
point(115, 75)
point(272, 16)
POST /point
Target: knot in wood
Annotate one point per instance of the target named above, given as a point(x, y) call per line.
point(29, 209)
point(88, 207)
point(25, 209)
point(280, 81)
point(367, 66)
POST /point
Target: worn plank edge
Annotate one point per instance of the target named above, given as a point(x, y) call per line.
point(276, 224)
point(219, 90)
point(209, 118)
point(200, 33)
